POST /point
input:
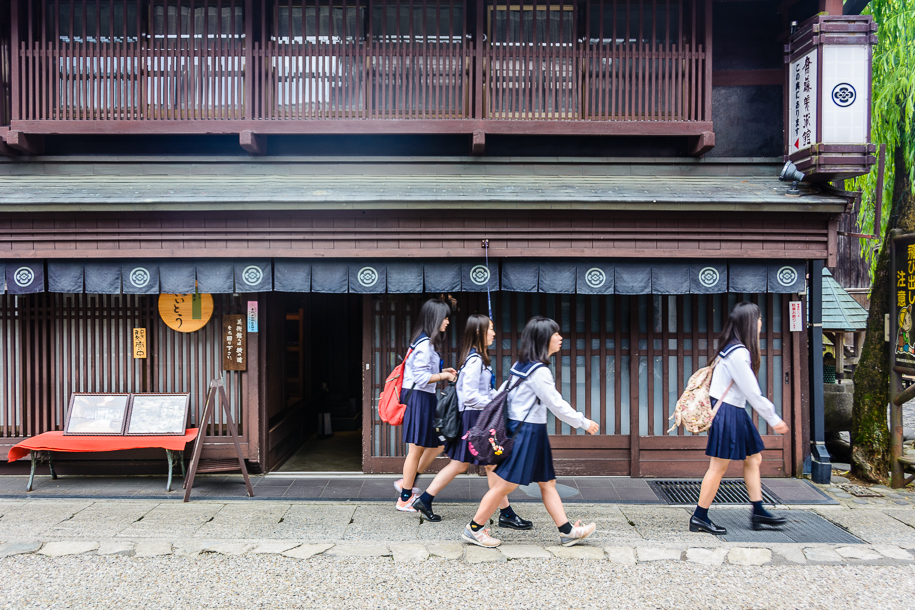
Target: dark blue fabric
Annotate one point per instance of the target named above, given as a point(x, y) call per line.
point(24, 277)
point(596, 277)
point(177, 277)
point(632, 278)
point(457, 449)
point(418, 427)
point(103, 278)
point(330, 277)
point(531, 459)
point(441, 276)
point(292, 275)
point(405, 277)
point(65, 276)
point(140, 277)
point(476, 276)
point(253, 275)
point(422, 337)
point(523, 370)
point(733, 435)
point(558, 277)
point(786, 277)
point(747, 277)
point(2, 277)
point(215, 276)
point(708, 277)
point(367, 278)
point(520, 276)
point(670, 278)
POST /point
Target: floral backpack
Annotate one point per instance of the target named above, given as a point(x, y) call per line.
point(694, 408)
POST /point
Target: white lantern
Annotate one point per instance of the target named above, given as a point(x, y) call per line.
point(828, 101)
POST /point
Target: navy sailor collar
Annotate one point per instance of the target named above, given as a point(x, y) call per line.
point(523, 370)
point(422, 337)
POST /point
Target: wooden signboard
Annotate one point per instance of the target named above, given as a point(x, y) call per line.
point(186, 313)
point(139, 343)
point(234, 343)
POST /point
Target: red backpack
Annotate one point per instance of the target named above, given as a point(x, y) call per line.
point(390, 409)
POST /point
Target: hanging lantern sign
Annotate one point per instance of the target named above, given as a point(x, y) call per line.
point(827, 111)
point(186, 313)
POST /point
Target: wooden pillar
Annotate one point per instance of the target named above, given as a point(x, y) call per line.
point(14, 60)
point(839, 341)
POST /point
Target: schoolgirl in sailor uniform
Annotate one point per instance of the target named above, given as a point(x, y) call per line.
point(475, 389)
point(733, 435)
point(422, 371)
point(531, 459)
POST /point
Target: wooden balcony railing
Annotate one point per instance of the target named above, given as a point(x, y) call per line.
point(360, 66)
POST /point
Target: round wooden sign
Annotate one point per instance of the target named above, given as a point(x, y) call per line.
point(186, 312)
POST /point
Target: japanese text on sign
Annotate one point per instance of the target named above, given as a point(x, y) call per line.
point(905, 300)
point(139, 343)
point(234, 346)
point(252, 316)
point(795, 316)
point(802, 109)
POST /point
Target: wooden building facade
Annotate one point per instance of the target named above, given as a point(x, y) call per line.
point(611, 164)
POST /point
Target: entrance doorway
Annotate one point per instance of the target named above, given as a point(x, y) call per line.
point(318, 427)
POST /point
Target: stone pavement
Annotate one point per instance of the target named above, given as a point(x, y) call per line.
point(276, 554)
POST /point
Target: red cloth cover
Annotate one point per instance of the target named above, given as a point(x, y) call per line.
point(56, 441)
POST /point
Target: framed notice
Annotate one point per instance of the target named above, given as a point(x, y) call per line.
point(96, 414)
point(158, 415)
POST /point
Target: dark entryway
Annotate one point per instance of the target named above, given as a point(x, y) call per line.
point(315, 422)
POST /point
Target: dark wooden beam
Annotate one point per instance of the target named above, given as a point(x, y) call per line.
point(366, 127)
point(702, 143)
point(738, 78)
point(478, 145)
point(30, 144)
point(253, 143)
point(6, 151)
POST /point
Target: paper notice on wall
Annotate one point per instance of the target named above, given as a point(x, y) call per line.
point(252, 316)
point(795, 313)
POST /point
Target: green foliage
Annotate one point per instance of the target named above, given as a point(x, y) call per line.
point(892, 109)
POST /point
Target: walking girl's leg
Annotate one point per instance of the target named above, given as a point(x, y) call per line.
point(429, 455)
point(507, 515)
point(751, 477)
point(424, 502)
point(474, 532)
point(700, 521)
point(759, 516)
point(569, 534)
point(411, 465)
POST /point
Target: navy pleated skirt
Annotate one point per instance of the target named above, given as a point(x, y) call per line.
point(531, 459)
point(418, 419)
point(457, 449)
point(733, 435)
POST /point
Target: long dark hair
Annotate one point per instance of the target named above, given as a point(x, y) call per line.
point(535, 340)
point(742, 327)
point(475, 336)
point(429, 321)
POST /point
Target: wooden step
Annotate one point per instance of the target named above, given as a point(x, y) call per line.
point(214, 465)
point(908, 463)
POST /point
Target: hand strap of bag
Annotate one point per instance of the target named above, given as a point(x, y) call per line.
point(721, 400)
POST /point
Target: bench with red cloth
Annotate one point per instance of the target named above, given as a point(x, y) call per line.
point(56, 441)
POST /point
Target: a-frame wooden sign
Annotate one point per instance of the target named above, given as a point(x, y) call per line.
point(216, 394)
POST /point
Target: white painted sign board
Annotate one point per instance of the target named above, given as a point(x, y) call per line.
point(795, 313)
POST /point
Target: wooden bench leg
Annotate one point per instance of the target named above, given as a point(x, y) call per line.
point(51, 464)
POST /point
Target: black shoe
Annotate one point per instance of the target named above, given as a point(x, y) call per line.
point(426, 510)
point(757, 521)
point(698, 525)
point(515, 522)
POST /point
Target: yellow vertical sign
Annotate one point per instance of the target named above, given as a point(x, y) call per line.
point(139, 343)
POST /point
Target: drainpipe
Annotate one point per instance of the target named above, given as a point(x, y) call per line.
point(821, 468)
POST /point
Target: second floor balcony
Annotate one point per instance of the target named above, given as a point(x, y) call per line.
point(576, 67)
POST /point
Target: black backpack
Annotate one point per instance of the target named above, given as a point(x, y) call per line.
point(447, 420)
point(489, 441)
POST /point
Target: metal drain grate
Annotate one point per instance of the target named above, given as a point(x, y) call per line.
point(802, 527)
point(687, 492)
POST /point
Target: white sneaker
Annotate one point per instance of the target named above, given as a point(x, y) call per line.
point(398, 485)
point(579, 532)
point(406, 506)
point(480, 537)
